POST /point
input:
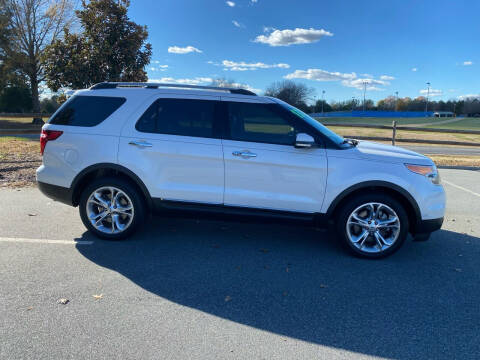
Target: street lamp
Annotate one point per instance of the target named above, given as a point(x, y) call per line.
point(364, 91)
point(396, 100)
point(323, 101)
point(426, 102)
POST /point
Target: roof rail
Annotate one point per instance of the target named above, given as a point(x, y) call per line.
point(148, 85)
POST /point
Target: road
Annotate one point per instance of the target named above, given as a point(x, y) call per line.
point(204, 289)
point(443, 150)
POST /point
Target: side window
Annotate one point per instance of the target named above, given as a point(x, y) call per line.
point(179, 117)
point(262, 123)
point(86, 110)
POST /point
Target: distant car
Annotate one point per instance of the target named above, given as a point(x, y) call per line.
point(120, 150)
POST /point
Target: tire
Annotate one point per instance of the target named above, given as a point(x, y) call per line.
point(382, 236)
point(96, 198)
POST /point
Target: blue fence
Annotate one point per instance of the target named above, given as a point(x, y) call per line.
point(379, 114)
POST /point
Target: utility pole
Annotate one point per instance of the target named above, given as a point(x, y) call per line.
point(426, 102)
point(364, 91)
point(454, 106)
point(396, 100)
point(323, 101)
point(353, 102)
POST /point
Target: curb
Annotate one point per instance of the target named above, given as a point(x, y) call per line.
point(473, 168)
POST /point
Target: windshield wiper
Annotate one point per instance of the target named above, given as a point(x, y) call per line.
point(350, 141)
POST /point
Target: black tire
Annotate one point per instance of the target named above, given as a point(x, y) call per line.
point(357, 201)
point(138, 203)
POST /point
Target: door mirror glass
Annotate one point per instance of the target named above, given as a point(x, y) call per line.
point(304, 141)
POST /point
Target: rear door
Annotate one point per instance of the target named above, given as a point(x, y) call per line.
point(263, 169)
point(175, 148)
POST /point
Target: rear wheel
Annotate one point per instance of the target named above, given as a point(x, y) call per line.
point(372, 225)
point(111, 208)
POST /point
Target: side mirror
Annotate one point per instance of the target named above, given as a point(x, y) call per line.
point(304, 141)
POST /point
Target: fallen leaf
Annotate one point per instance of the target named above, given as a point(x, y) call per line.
point(460, 255)
point(323, 286)
point(458, 270)
point(264, 251)
point(63, 301)
point(238, 267)
point(266, 267)
point(29, 308)
point(287, 269)
point(32, 214)
point(228, 298)
point(284, 293)
point(216, 246)
point(97, 297)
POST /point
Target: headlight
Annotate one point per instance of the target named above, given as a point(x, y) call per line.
point(430, 171)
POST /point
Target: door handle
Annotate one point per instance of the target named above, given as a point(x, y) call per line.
point(244, 154)
point(140, 143)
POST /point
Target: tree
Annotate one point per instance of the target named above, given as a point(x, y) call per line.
point(293, 93)
point(34, 24)
point(110, 48)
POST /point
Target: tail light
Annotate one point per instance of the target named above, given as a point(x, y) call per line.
point(46, 136)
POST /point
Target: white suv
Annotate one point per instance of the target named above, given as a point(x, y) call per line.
point(119, 150)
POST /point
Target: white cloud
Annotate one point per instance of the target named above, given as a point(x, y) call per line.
point(386, 77)
point(367, 75)
point(243, 66)
point(469, 96)
point(288, 37)
point(371, 84)
point(230, 3)
point(431, 92)
point(319, 75)
point(253, 1)
point(183, 50)
point(414, 69)
point(467, 63)
point(158, 67)
point(237, 24)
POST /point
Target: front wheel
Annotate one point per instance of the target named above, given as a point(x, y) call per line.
point(372, 225)
point(111, 208)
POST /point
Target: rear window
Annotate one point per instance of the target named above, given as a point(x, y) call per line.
point(87, 110)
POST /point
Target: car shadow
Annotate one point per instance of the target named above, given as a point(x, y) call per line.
point(296, 281)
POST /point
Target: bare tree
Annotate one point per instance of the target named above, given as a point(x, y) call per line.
point(293, 93)
point(35, 24)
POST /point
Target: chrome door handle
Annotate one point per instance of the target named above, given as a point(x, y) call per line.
point(140, 143)
point(244, 154)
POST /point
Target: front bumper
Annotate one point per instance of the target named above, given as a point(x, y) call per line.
point(55, 192)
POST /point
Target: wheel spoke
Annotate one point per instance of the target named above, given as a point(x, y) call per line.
point(358, 221)
point(362, 237)
point(99, 198)
point(98, 218)
point(123, 210)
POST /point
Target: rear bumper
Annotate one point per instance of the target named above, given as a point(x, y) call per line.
point(55, 192)
point(428, 226)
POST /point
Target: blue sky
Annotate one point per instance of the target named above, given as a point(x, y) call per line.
point(329, 45)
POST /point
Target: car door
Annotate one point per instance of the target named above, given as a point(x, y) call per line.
point(263, 169)
point(175, 149)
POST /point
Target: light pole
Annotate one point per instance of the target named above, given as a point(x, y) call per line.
point(364, 91)
point(323, 96)
point(426, 102)
point(353, 102)
point(396, 100)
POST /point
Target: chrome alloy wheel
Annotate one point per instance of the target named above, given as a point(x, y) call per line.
point(373, 227)
point(110, 210)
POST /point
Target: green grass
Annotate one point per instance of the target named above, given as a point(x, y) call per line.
point(380, 121)
point(462, 124)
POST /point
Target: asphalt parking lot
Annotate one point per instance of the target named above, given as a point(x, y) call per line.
point(204, 289)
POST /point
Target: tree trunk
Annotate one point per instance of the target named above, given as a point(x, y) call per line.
point(35, 95)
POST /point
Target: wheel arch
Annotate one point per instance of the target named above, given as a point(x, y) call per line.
point(397, 192)
point(105, 169)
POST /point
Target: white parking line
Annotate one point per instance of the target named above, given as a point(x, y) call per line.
point(461, 188)
point(47, 241)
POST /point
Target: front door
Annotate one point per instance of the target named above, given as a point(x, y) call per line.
point(263, 169)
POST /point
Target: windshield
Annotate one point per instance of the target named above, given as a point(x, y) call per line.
point(334, 137)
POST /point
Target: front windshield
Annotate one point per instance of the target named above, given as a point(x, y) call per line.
point(337, 139)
